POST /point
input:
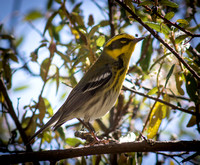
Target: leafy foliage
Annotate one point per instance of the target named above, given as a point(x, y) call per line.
point(72, 41)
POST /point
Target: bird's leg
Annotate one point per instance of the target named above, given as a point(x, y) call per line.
point(91, 130)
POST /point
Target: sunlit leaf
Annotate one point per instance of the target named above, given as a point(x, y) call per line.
point(43, 69)
point(169, 74)
point(180, 38)
point(33, 15)
point(74, 142)
point(100, 41)
point(147, 2)
point(159, 27)
point(179, 83)
point(151, 92)
point(169, 15)
point(42, 109)
point(48, 107)
point(20, 88)
point(169, 3)
point(182, 21)
point(157, 114)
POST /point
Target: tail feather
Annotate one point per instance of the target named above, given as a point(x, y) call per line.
point(50, 123)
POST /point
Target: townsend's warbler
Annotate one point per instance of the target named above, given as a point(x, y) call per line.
point(97, 91)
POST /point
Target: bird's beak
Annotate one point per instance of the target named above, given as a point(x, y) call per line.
point(138, 39)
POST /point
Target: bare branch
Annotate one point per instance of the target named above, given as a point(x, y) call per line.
point(162, 101)
point(141, 146)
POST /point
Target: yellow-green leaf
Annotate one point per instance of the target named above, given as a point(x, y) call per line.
point(169, 3)
point(169, 15)
point(169, 74)
point(43, 69)
point(42, 109)
point(33, 15)
point(159, 27)
point(100, 41)
point(182, 21)
point(93, 30)
point(157, 114)
point(74, 142)
point(48, 107)
point(179, 82)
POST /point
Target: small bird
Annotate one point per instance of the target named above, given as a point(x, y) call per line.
point(98, 90)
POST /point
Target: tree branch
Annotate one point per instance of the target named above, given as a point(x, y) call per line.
point(158, 38)
point(141, 146)
point(13, 115)
point(162, 101)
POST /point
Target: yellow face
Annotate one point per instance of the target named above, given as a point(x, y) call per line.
point(120, 44)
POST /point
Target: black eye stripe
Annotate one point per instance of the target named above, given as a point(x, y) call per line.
point(117, 44)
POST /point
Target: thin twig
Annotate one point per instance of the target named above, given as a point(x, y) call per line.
point(159, 100)
point(122, 4)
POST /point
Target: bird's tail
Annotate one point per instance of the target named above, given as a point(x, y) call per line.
point(50, 123)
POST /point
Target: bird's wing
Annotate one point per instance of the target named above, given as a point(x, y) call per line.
point(83, 92)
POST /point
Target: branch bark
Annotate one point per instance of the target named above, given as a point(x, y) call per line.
point(140, 146)
point(161, 101)
point(13, 114)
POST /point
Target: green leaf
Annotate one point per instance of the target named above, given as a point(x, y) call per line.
point(42, 109)
point(33, 15)
point(48, 107)
point(148, 2)
point(100, 41)
point(169, 3)
point(76, 8)
point(20, 88)
point(13, 57)
point(169, 15)
point(169, 74)
point(104, 23)
point(180, 38)
point(162, 28)
point(93, 30)
point(146, 52)
point(182, 21)
point(179, 82)
point(43, 69)
point(61, 133)
point(191, 87)
point(74, 142)
point(49, 21)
